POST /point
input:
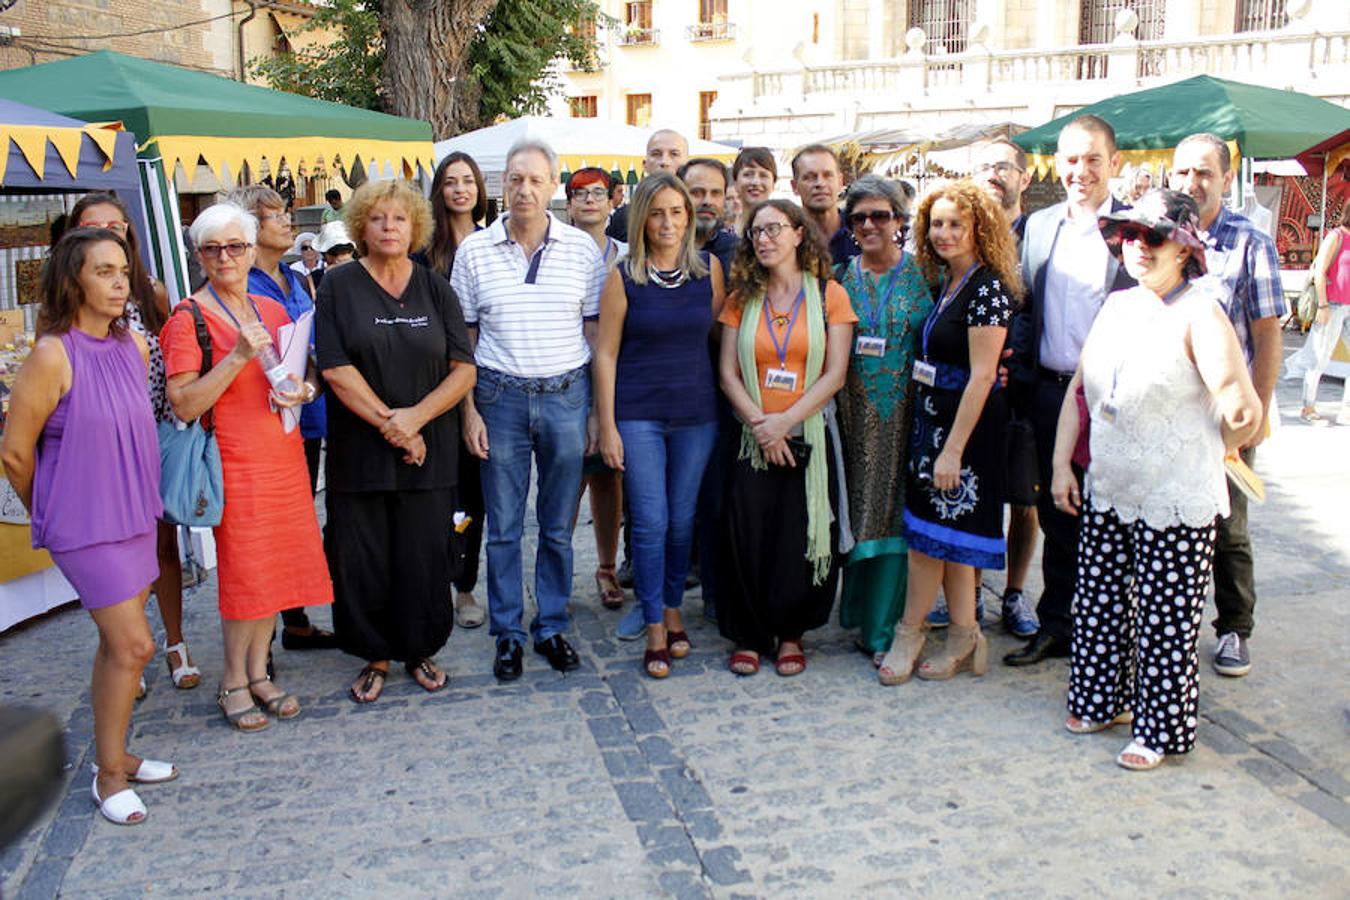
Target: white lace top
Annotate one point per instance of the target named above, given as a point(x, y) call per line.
point(1159, 457)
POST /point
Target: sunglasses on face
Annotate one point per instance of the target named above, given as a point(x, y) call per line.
point(234, 249)
point(878, 217)
point(1139, 233)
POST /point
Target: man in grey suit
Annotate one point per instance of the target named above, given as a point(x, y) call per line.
point(1069, 273)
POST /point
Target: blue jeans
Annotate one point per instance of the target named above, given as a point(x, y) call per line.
point(552, 427)
point(663, 468)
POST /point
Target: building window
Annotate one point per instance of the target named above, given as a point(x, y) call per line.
point(583, 107)
point(705, 101)
point(639, 110)
point(1097, 18)
point(944, 21)
point(712, 22)
point(637, 23)
point(1261, 15)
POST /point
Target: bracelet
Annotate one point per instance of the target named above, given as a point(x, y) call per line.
point(310, 391)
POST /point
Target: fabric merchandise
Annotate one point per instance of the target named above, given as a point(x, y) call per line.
point(763, 597)
point(268, 547)
point(105, 416)
point(402, 346)
point(529, 312)
point(965, 524)
point(874, 419)
point(104, 575)
point(295, 299)
point(388, 552)
point(663, 468)
point(1157, 451)
point(1140, 599)
point(663, 373)
point(549, 428)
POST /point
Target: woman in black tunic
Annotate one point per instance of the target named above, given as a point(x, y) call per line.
point(392, 344)
point(955, 470)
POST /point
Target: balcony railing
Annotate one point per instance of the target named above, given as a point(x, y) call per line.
point(710, 31)
point(1243, 56)
point(640, 37)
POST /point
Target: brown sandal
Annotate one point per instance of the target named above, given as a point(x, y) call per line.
point(678, 641)
point(424, 666)
point(368, 676)
point(653, 659)
point(607, 585)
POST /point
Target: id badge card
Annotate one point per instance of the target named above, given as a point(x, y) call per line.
point(781, 379)
point(869, 346)
point(1108, 412)
point(925, 373)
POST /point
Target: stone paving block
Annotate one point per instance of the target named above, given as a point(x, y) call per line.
point(1333, 809)
point(643, 718)
point(1285, 752)
point(685, 789)
point(643, 801)
point(624, 764)
point(720, 864)
point(1269, 772)
point(684, 886)
point(610, 731)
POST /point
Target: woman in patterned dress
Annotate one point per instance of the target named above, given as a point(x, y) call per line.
point(891, 299)
point(954, 474)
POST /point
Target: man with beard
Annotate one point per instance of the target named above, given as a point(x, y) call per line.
point(708, 181)
point(666, 152)
point(818, 181)
point(1246, 260)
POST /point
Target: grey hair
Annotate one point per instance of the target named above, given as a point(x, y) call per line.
point(1213, 140)
point(255, 197)
point(539, 146)
point(212, 220)
point(874, 186)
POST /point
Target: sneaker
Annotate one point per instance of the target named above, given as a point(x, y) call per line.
point(1019, 619)
point(1231, 657)
point(940, 617)
point(633, 625)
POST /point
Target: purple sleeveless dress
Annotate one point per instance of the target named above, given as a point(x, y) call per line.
point(96, 487)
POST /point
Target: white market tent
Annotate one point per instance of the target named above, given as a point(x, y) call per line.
point(578, 143)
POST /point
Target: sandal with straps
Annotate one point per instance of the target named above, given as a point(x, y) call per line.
point(277, 705)
point(237, 718)
point(656, 663)
point(424, 666)
point(1077, 725)
point(185, 676)
point(1151, 758)
point(678, 642)
point(607, 586)
point(368, 676)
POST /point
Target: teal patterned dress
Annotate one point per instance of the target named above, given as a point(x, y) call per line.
point(874, 425)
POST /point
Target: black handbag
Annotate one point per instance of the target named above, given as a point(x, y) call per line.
point(1024, 471)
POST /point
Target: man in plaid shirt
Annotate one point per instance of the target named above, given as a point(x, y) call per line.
point(1246, 260)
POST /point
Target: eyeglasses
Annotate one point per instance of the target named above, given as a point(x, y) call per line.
point(595, 193)
point(1001, 169)
point(304, 247)
point(878, 217)
point(1148, 236)
point(771, 231)
point(235, 249)
point(118, 227)
point(280, 217)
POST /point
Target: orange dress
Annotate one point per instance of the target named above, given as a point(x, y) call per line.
point(268, 546)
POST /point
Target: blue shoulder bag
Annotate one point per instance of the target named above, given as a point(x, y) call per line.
point(190, 480)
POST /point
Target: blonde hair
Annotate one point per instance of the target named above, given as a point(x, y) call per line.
point(356, 211)
point(995, 246)
point(639, 208)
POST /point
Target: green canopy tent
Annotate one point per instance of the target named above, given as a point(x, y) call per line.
point(182, 116)
point(1258, 122)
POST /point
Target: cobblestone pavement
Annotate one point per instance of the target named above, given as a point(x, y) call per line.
point(601, 783)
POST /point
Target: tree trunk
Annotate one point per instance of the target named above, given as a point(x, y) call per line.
point(426, 51)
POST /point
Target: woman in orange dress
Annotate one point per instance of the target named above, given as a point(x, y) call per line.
point(269, 550)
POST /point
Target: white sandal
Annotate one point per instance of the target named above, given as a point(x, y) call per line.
point(1089, 726)
point(1152, 758)
point(150, 771)
point(122, 808)
point(183, 672)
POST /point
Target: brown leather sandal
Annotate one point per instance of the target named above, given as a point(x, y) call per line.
point(607, 586)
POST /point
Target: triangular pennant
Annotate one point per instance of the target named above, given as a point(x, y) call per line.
point(106, 140)
point(67, 142)
point(33, 144)
point(4, 156)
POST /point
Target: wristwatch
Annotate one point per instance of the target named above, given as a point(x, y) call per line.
point(310, 391)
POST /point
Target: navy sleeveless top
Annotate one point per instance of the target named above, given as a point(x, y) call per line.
point(663, 372)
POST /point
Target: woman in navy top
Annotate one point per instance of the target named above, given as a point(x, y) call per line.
point(655, 398)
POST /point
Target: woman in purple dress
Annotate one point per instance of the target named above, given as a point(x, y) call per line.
point(81, 450)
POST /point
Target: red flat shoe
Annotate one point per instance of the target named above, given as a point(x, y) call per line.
point(744, 663)
point(790, 664)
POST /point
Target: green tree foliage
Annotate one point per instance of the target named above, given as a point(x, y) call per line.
point(508, 63)
point(344, 71)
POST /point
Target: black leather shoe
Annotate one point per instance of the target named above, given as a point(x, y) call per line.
point(1043, 646)
point(317, 639)
point(559, 653)
point(508, 665)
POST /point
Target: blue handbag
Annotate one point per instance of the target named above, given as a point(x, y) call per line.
point(190, 480)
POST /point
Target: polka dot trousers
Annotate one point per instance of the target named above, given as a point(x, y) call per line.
point(1136, 621)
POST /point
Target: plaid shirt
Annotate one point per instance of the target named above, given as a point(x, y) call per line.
point(1246, 260)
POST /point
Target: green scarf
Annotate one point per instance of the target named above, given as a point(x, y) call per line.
point(818, 515)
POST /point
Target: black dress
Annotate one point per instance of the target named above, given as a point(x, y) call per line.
point(389, 522)
point(965, 524)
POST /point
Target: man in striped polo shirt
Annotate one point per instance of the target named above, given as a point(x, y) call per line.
point(530, 290)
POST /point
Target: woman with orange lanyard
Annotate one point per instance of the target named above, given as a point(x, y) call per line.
point(954, 479)
point(785, 350)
